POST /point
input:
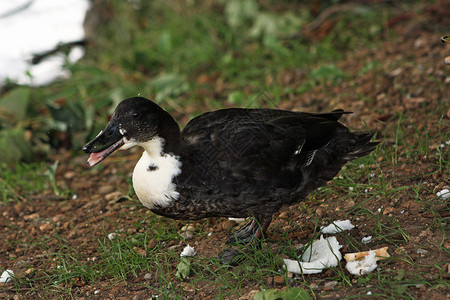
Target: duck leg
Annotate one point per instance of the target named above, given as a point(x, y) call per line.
point(256, 228)
point(248, 235)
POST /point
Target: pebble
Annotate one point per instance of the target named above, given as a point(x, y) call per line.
point(350, 203)
point(112, 235)
point(396, 72)
point(105, 189)
point(151, 243)
point(320, 211)
point(278, 279)
point(148, 276)
point(330, 285)
point(188, 227)
point(313, 285)
point(422, 252)
point(227, 225)
point(29, 271)
point(250, 295)
point(187, 235)
point(70, 175)
point(31, 217)
point(140, 252)
point(113, 196)
point(283, 215)
point(46, 227)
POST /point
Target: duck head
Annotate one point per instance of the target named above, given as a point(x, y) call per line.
point(134, 122)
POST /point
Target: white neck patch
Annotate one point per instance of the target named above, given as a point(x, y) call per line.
point(153, 175)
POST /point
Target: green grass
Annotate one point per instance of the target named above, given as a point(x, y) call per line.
point(22, 181)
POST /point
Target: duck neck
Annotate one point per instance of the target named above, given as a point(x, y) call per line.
point(170, 132)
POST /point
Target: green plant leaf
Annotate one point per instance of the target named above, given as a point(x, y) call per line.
point(295, 294)
point(270, 294)
point(328, 72)
point(183, 268)
point(13, 106)
point(289, 294)
point(14, 146)
point(169, 85)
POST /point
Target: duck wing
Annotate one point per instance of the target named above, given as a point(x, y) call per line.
point(257, 152)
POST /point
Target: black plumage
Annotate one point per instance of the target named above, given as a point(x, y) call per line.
point(240, 162)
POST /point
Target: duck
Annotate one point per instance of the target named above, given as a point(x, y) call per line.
point(234, 162)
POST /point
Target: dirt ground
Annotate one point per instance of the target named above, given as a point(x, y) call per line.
point(410, 77)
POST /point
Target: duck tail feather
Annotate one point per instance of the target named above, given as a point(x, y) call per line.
point(362, 145)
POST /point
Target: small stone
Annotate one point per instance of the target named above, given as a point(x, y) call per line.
point(350, 203)
point(330, 285)
point(420, 286)
point(422, 252)
point(283, 215)
point(148, 276)
point(188, 227)
point(278, 279)
point(46, 227)
point(173, 247)
point(320, 211)
point(227, 225)
point(114, 196)
point(313, 285)
point(65, 225)
point(396, 72)
point(140, 252)
point(447, 60)
point(151, 243)
point(112, 235)
point(29, 271)
point(250, 295)
point(187, 235)
point(69, 175)
point(57, 218)
point(105, 189)
point(31, 217)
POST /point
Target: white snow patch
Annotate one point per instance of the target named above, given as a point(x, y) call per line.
point(322, 253)
point(338, 226)
point(366, 239)
point(363, 266)
point(444, 194)
point(188, 251)
point(35, 28)
point(6, 276)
